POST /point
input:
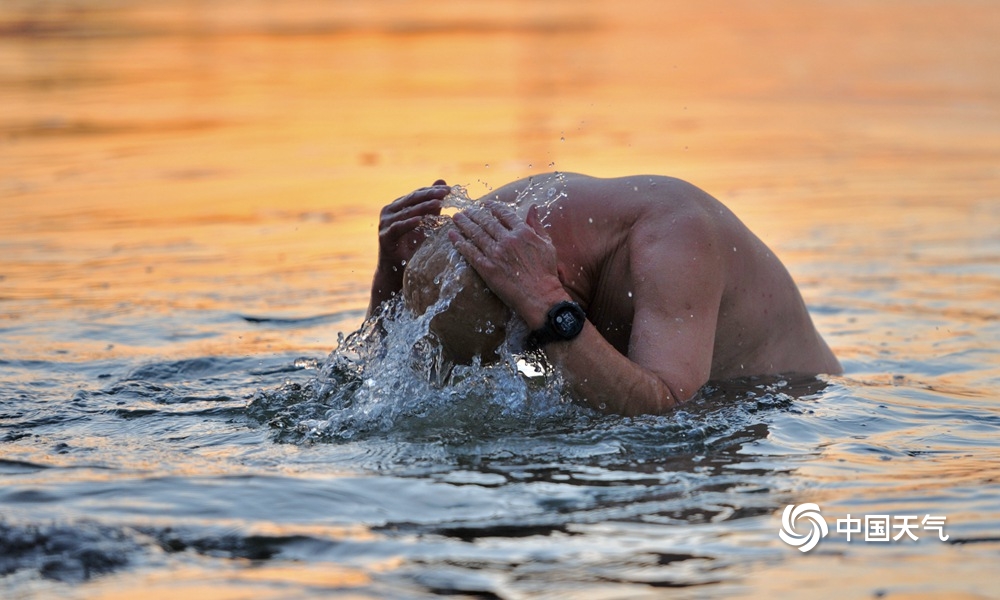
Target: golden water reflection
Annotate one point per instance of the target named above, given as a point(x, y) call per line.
point(203, 154)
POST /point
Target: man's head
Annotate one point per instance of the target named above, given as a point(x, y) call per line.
point(474, 323)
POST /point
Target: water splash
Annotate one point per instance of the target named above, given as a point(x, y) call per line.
point(390, 377)
point(458, 198)
point(545, 192)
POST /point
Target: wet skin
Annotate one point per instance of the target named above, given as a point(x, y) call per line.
point(676, 289)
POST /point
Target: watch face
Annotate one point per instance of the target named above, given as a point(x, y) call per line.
point(564, 322)
point(567, 323)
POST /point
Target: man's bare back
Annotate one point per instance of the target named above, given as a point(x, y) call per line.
point(676, 290)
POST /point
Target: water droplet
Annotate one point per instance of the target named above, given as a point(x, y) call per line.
point(562, 139)
point(630, 294)
point(403, 262)
point(734, 248)
point(487, 165)
point(590, 220)
point(602, 406)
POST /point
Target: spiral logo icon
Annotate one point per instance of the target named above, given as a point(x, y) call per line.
point(809, 512)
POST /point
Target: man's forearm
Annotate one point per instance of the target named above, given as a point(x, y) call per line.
point(518, 261)
point(604, 379)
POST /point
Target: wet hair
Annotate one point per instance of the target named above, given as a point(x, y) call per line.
point(473, 322)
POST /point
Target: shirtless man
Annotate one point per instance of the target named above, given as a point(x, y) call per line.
point(675, 290)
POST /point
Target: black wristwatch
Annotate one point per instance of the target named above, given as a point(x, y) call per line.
point(564, 322)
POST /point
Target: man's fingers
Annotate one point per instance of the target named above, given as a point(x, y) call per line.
point(504, 214)
point(400, 228)
point(469, 228)
point(480, 230)
point(430, 207)
point(488, 222)
point(535, 222)
point(468, 250)
point(497, 219)
point(435, 192)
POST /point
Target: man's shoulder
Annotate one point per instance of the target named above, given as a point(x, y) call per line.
point(653, 202)
point(656, 196)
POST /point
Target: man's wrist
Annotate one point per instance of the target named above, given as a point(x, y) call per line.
point(386, 283)
point(390, 265)
point(389, 272)
point(564, 321)
point(536, 316)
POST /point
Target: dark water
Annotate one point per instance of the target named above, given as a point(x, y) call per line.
point(153, 467)
point(282, 475)
point(189, 194)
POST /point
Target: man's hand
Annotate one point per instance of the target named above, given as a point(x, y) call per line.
point(399, 236)
point(514, 257)
point(399, 233)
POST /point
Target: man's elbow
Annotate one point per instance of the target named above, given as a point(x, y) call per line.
point(653, 397)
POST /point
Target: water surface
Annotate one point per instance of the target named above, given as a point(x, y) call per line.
point(189, 198)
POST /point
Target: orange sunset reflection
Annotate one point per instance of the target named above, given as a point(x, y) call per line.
point(217, 156)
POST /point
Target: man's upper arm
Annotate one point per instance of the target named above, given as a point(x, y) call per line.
point(679, 279)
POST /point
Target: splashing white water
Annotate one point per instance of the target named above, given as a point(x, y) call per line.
point(544, 192)
point(391, 376)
